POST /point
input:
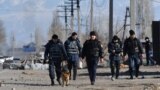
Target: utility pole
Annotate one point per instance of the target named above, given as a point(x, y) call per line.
point(91, 17)
point(65, 18)
point(125, 23)
point(79, 19)
point(133, 14)
point(72, 16)
point(110, 20)
point(65, 9)
point(71, 3)
point(87, 31)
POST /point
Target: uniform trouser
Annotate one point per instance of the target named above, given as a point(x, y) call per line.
point(92, 66)
point(134, 62)
point(55, 66)
point(149, 59)
point(73, 63)
point(115, 64)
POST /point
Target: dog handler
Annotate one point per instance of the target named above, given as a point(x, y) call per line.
point(54, 52)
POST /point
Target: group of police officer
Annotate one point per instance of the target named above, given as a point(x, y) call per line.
point(92, 51)
point(132, 47)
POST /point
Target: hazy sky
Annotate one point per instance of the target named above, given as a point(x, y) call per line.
point(23, 16)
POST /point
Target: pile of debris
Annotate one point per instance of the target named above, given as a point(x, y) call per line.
point(31, 62)
point(34, 62)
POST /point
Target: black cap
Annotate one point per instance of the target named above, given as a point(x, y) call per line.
point(115, 37)
point(93, 33)
point(74, 33)
point(146, 38)
point(131, 32)
point(55, 36)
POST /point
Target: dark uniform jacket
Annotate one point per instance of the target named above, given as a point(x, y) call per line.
point(132, 46)
point(117, 46)
point(148, 46)
point(55, 51)
point(92, 48)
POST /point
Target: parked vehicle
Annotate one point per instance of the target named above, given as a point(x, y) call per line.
point(5, 58)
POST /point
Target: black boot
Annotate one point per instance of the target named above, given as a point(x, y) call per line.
point(59, 81)
point(74, 73)
point(52, 83)
point(131, 77)
point(92, 82)
point(74, 77)
point(70, 75)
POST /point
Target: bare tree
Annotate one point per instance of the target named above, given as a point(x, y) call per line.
point(38, 39)
point(144, 17)
point(101, 26)
point(2, 39)
point(2, 33)
point(56, 27)
point(13, 43)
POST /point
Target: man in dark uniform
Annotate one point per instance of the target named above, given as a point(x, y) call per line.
point(115, 49)
point(133, 47)
point(55, 51)
point(93, 51)
point(149, 52)
point(73, 48)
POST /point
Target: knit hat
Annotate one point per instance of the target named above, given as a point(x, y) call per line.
point(115, 37)
point(131, 32)
point(146, 38)
point(55, 36)
point(74, 33)
point(93, 33)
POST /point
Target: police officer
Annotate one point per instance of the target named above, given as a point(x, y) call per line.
point(149, 52)
point(73, 49)
point(54, 52)
point(93, 51)
point(133, 47)
point(115, 49)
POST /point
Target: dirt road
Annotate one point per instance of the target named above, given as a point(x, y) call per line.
point(39, 80)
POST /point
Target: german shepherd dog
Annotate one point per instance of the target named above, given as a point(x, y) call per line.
point(65, 74)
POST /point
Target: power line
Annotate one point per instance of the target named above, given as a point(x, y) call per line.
point(25, 10)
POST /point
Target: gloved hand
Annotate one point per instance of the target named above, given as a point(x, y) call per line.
point(114, 51)
point(141, 59)
point(44, 62)
point(141, 62)
point(124, 58)
point(101, 60)
point(82, 57)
